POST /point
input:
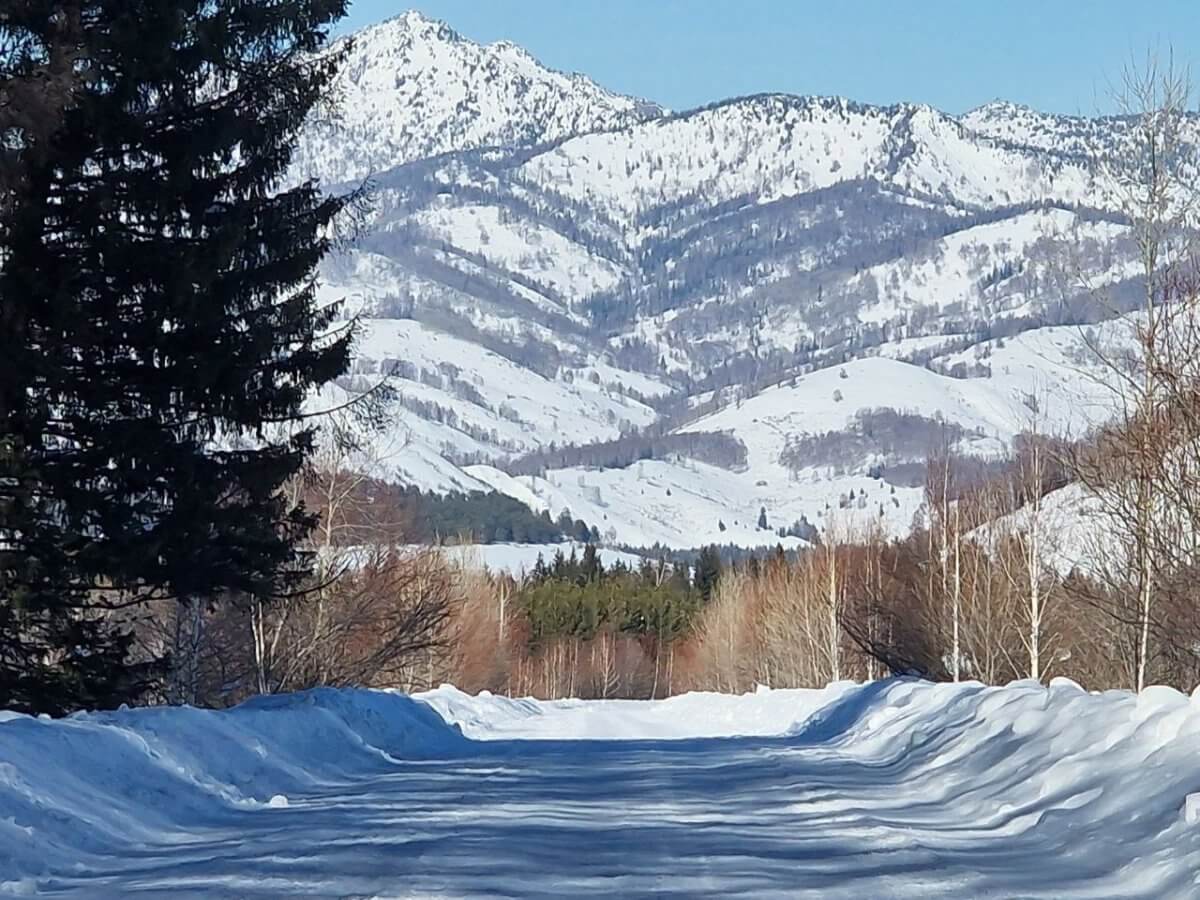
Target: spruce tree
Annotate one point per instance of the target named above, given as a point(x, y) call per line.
point(707, 572)
point(160, 326)
point(591, 569)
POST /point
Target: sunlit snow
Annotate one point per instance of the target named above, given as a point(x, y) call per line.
point(889, 789)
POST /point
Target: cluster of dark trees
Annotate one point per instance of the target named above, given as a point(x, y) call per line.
point(432, 411)
point(717, 448)
point(426, 517)
point(893, 435)
point(576, 596)
point(483, 517)
point(717, 558)
point(158, 323)
point(801, 528)
point(575, 627)
point(576, 529)
point(1001, 272)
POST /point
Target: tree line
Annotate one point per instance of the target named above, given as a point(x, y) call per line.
point(429, 517)
point(717, 448)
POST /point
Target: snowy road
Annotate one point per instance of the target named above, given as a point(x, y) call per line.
point(890, 790)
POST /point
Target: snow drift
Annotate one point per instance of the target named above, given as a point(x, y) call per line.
point(96, 784)
point(893, 788)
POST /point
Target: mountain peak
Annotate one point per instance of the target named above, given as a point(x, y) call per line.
point(1000, 107)
point(414, 17)
point(412, 87)
point(506, 46)
point(411, 24)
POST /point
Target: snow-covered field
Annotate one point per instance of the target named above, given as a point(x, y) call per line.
point(518, 560)
point(890, 789)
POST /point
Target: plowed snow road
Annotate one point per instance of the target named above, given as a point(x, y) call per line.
point(890, 790)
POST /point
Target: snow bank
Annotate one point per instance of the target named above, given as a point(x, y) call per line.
point(94, 783)
point(1089, 774)
point(693, 715)
point(1109, 781)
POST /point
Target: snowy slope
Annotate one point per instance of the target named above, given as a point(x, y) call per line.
point(1069, 135)
point(827, 400)
point(1075, 532)
point(1012, 267)
point(412, 87)
point(675, 503)
point(1023, 126)
point(539, 253)
point(536, 409)
point(773, 146)
point(890, 789)
point(958, 268)
point(1043, 379)
point(458, 399)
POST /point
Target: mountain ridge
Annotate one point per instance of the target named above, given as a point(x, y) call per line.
point(624, 274)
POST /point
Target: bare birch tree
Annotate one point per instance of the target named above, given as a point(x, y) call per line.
point(1149, 175)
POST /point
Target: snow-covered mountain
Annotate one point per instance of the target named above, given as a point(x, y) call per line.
point(775, 146)
point(411, 87)
point(549, 264)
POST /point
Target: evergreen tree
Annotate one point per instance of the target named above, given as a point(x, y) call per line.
point(646, 570)
point(778, 556)
point(707, 572)
point(590, 565)
point(762, 519)
point(160, 323)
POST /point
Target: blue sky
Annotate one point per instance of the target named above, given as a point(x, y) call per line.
point(1056, 55)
